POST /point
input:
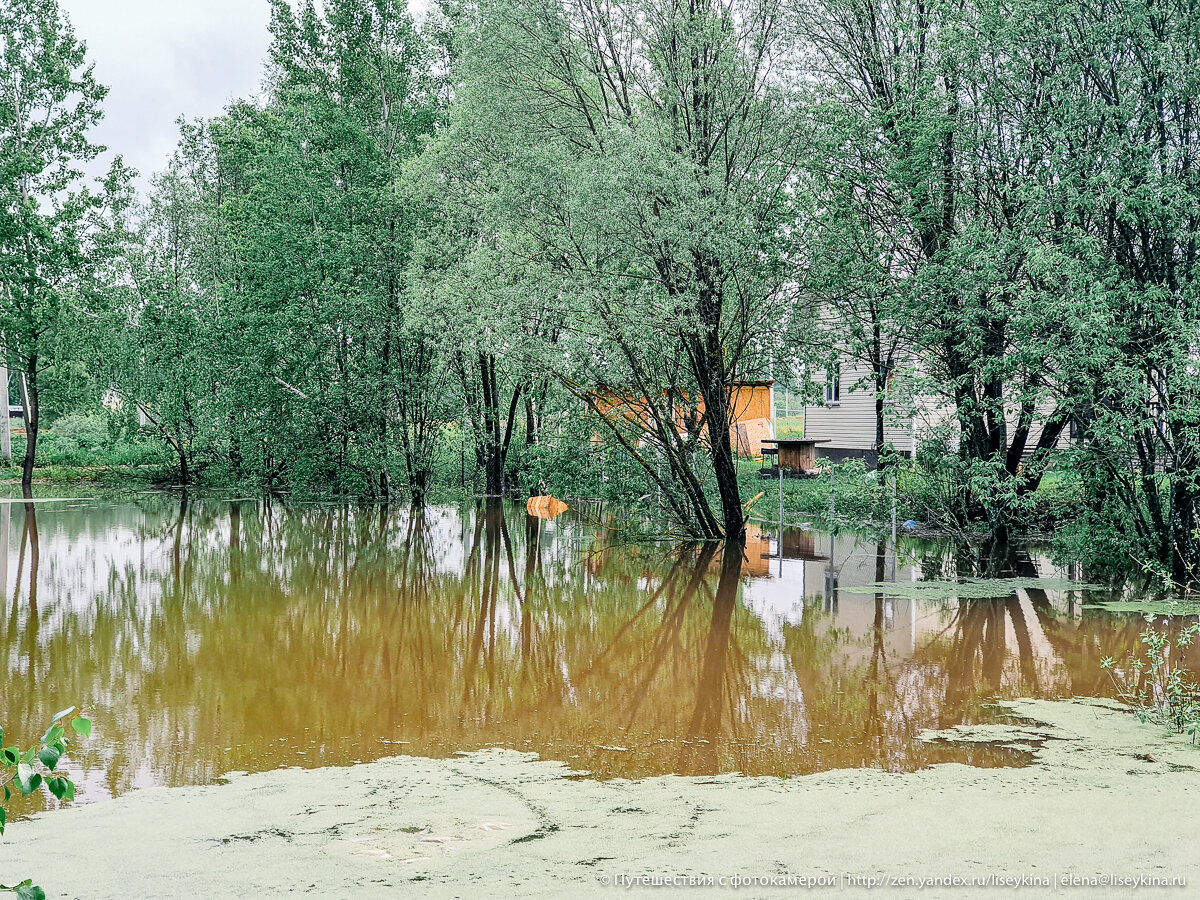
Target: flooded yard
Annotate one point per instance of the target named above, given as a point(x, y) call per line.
point(213, 636)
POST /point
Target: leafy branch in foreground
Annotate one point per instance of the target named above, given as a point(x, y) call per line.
point(1159, 691)
point(38, 767)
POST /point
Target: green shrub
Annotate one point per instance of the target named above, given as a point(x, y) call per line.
point(1160, 691)
point(37, 768)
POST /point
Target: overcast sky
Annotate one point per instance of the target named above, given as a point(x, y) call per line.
point(165, 58)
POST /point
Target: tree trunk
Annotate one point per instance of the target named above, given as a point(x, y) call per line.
point(29, 403)
point(880, 411)
point(716, 393)
point(497, 431)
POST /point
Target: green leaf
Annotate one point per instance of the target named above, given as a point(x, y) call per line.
point(30, 892)
point(28, 780)
point(11, 756)
point(58, 717)
point(69, 794)
point(59, 787)
point(49, 757)
point(53, 733)
point(82, 726)
point(3, 818)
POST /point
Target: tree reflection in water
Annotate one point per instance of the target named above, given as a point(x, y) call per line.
point(210, 637)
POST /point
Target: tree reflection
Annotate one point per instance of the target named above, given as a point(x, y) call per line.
point(213, 636)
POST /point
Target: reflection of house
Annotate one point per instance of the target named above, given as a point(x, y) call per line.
point(846, 417)
point(752, 402)
point(756, 558)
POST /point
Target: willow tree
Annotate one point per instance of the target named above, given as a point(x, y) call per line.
point(650, 150)
point(274, 266)
point(1121, 230)
point(946, 118)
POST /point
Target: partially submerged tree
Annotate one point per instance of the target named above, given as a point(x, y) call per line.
point(952, 121)
point(1122, 227)
point(649, 151)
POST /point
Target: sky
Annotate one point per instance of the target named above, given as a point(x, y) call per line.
point(166, 58)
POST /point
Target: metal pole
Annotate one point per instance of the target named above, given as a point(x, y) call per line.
point(893, 507)
point(4, 546)
point(831, 509)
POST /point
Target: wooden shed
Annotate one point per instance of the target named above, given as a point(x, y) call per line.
point(751, 401)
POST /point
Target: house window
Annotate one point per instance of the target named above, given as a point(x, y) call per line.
point(1076, 429)
point(833, 384)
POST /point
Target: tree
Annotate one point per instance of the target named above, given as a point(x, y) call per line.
point(1120, 227)
point(49, 101)
point(954, 118)
point(273, 271)
point(650, 149)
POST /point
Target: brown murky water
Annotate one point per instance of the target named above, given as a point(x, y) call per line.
point(212, 636)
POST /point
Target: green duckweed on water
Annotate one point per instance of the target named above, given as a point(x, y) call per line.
point(969, 588)
point(1149, 606)
point(1104, 795)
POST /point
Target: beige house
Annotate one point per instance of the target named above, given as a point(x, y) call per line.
point(844, 419)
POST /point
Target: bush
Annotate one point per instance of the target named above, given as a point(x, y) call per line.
point(94, 439)
point(1159, 691)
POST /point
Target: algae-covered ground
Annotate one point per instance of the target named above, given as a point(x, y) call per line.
point(1104, 797)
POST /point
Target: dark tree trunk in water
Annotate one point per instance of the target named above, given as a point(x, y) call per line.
point(1182, 529)
point(497, 429)
point(416, 488)
point(725, 468)
point(715, 389)
point(29, 402)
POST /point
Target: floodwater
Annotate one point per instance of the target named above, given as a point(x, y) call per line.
point(214, 636)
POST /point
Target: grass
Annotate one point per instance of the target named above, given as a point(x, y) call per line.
point(107, 475)
point(789, 427)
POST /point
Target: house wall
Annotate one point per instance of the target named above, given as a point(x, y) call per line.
point(751, 401)
point(752, 404)
point(849, 426)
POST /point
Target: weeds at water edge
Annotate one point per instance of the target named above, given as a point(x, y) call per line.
point(1159, 691)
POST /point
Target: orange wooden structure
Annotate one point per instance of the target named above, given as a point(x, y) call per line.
point(751, 414)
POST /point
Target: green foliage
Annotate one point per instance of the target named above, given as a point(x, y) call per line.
point(58, 235)
point(37, 767)
point(1159, 690)
point(428, 246)
point(861, 497)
